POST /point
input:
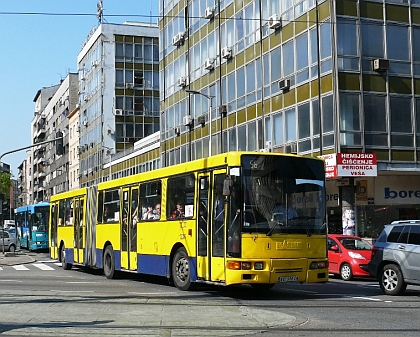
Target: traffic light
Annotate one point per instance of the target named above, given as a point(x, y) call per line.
point(59, 149)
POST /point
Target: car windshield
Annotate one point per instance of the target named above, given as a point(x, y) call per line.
point(355, 244)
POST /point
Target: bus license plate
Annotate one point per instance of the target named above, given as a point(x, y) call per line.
point(288, 279)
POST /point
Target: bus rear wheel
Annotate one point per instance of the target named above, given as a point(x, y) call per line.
point(64, 263)
point(109, 262)
point(181, 271)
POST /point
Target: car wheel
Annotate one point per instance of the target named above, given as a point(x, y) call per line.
point(64, 263)
point(181, 271)
point(391, 280)
point(346, 272)
point(12, 248)
point(109, 262)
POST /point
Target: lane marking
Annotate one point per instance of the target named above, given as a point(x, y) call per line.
point(20, 267)
point(43, 266)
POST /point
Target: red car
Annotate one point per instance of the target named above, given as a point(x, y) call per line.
point(348, 256)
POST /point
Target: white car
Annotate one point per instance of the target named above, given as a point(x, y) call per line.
point(10, 241)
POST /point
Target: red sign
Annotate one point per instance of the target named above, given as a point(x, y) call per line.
point(350, 165)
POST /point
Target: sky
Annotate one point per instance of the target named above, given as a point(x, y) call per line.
point(40, 41)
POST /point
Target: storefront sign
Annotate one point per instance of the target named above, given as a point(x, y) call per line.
point(356, 165)
point(398, 190)
point(350, 165)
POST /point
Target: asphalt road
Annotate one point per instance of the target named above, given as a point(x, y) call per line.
point(42, 299)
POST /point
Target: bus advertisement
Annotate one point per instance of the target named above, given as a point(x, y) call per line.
point(32, 226)
point(236, 218)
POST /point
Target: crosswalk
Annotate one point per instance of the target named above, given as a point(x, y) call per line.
point(44, 266)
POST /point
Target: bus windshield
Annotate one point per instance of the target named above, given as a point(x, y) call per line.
point(40, 219)
point(283, 195)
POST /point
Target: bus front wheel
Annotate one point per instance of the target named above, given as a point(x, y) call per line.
point(64, 263)
point(181, 271)
point(109, 262)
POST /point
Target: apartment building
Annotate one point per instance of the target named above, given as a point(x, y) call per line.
point(302, 76)
point(118, 70)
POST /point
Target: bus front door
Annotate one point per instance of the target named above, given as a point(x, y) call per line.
point(79, 226)
point(211, 229)
point(129, 228)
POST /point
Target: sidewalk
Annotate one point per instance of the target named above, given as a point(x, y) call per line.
point(18, 257)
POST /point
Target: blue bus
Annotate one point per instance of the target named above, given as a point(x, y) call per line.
point(32, 226)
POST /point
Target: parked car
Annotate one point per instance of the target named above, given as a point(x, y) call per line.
point(10, 241)
point(396, 256)
point(348, 256)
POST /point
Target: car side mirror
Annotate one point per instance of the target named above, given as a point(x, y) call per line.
point(334, 248)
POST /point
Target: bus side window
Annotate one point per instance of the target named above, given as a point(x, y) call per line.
point(100, 207)
point(112, 206)
point(180, 189)
point(150, 198)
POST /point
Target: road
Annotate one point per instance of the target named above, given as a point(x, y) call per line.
point(42, 299)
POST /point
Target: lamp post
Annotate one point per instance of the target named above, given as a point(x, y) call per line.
point(319, 78)
point(109, 153)
point(209, 97)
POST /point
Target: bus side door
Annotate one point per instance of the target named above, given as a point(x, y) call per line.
point(211, 228)
point(79, 225)
point(128, 223)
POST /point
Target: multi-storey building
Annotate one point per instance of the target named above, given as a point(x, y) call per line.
point(118, 94)
point(275, 75)
point(36, 166)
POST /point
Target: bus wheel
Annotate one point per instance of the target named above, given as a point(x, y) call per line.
point(181, 272)
point(64, 263)
point(109, 262)
point(262, 286)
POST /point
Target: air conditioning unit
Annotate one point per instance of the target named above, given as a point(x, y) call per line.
point(85, 122)
point(227, 53)
point(129, 85)
point(177, 130)
point(86, 98)
point(274, 21)
point(284, 84)
point(268, 144)
point(380, 65)
point(178, 39)
point(209, 13)
point(182, 81)
point(187, 120)
point(201, 120)
point(209, 64)
point(95, 63)
point(118, 112)
point(290, 148)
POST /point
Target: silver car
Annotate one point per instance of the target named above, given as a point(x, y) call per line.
point(10, 241)
point(396, 257)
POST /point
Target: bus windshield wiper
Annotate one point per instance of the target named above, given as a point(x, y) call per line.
point(270, 232)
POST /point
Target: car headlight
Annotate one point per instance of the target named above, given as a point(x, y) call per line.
point(356, 256)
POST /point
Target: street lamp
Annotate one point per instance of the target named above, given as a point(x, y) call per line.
point(109, 153)
point(319, 78)
point(209, 97)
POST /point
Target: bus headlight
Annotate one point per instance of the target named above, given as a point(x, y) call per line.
point(318, 265)
point(258, 265)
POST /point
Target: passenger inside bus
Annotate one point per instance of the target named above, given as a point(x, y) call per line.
point(179, 210)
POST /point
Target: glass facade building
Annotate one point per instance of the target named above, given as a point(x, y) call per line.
point(275, 75)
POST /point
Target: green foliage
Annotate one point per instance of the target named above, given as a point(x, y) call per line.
point(5, 184)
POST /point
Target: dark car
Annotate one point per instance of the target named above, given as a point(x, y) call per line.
point(348, 256)
point(396, 256)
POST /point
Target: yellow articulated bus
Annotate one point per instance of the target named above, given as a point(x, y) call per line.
point(236, 218)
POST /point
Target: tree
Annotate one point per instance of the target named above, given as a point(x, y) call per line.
point(5, 184)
